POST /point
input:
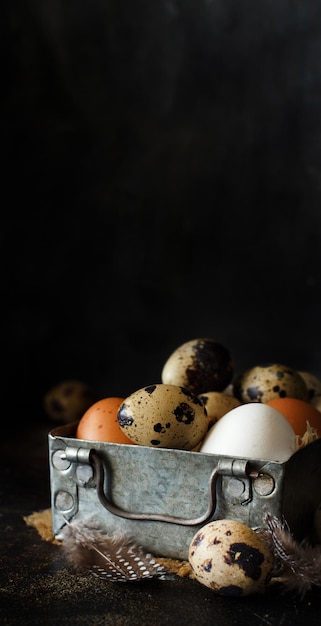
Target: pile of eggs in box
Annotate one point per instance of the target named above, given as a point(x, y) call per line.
point(268, 412)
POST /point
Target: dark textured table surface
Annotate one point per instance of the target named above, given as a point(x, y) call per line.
point(39, 587)
point(161, 181)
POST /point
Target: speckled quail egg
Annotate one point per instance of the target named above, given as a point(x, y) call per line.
point(265, 382)
point(217, 404)
point(163, 416)
point(201, 365)
point(67, 401)
point(313, 384)
point(230, 558)
point(252, 431)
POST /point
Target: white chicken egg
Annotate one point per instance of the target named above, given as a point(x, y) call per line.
point(252, 431)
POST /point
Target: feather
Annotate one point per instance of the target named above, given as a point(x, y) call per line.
point(113, 558)
point(297, 564)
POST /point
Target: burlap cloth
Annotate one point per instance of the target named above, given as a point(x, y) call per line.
point(42, 522)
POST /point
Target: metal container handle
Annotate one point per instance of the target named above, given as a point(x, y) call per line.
point(100, 479)
point(225, 467)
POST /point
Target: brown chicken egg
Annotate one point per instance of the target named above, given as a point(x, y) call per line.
point(302, 416)
point(163, 416)
point(265, 382)
point(230, 558)
point(99, 422)
point(201, 365)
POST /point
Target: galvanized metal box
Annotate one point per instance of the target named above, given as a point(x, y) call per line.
point(161, 497)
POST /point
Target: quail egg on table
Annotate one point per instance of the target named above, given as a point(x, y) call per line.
point(201, 365)
point(265, 382)
point(68, 400)
point(163, 416)
point(230, 558)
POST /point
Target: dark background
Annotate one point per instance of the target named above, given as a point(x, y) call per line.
point(161, 182)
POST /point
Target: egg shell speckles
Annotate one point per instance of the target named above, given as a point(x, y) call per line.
point(230, 558)
point(201, 365)
point(163, 416)
point(263, 383)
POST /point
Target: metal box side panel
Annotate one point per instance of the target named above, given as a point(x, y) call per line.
point(154, 481)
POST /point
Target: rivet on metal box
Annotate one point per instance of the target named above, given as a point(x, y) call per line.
point(161, 497)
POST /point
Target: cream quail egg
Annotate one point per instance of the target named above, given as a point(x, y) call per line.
point(217, 404)
point(163, 416)
point(265, 382)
